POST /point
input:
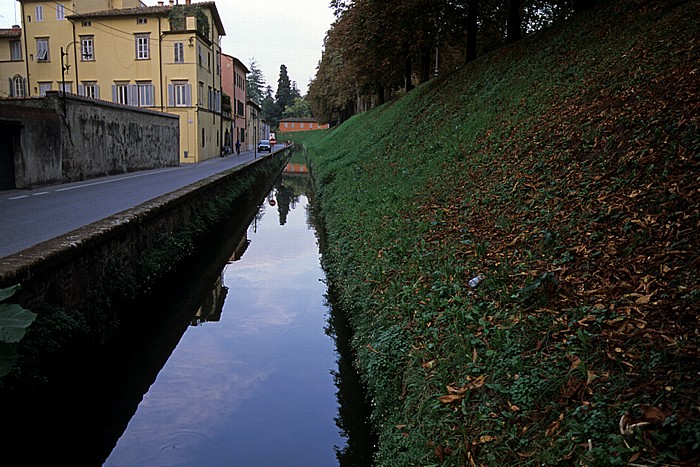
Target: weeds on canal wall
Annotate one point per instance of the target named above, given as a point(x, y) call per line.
point(563, 172)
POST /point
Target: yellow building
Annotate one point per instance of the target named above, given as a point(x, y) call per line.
point(164, 57)
point(12, 67)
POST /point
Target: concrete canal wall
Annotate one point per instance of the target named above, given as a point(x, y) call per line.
point(74, 270)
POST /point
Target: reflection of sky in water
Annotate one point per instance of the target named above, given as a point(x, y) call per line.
point(253, 389)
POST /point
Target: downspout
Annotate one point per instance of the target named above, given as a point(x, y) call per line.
point(160, 61)
point(26, 51)
point(75, 57)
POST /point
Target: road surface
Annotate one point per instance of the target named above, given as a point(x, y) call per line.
point(28, 217)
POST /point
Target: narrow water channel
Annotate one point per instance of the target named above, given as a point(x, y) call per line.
point(237, 360)
point(250, 382)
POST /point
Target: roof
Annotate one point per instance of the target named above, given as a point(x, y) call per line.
point(298, 119)
point(237, 62)
point(160, 10)
point(14, 32)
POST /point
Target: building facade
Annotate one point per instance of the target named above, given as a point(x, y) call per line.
point(288, 125)
point(12, 67)
point(164, 57)
point(233, 83)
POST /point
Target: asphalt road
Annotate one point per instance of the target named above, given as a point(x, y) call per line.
point(28, 217)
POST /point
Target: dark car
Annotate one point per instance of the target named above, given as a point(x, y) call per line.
point(264, 145)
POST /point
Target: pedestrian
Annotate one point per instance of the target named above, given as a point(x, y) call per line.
point(238, 147)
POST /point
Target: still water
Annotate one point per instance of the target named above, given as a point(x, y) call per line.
point(251, 381)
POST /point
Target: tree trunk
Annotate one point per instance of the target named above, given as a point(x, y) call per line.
point(425, 64)
point(407, 73)
point(381, 98)
point(472, 28)
point(583, 5)
point(513, 27)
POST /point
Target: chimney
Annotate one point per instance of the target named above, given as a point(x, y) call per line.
point(172, 2)
point(160, 3)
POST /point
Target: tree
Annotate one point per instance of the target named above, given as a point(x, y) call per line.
point(513, 27)
point(270, 110)
point(299, 108)
point(284, 95)
point(255, 83)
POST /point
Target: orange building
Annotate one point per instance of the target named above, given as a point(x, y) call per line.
point(288, 125)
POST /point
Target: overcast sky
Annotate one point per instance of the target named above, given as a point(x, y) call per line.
point(273, 32)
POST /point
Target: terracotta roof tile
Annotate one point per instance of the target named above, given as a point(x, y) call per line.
point(14, 32)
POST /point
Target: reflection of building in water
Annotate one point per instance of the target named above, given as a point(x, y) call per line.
point(241, 248)
point(212, 305)
point(296, 169)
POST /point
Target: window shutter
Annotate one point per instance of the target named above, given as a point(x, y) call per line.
point(188, 95)
point(151, 93)
point(97, 91)
point(81, 90)
point(24, 87)
point(133, 93)
point(12, 88)
point(171, 96)
point(114, 93)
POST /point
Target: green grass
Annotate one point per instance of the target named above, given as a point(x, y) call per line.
point(564, 169)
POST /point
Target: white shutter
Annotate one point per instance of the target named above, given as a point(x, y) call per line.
point(188, 95)
point(81, 90)
point(97, 91)
point(171, 96)
point(114, 93)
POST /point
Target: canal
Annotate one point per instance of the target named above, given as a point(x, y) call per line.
point(250, 382)
point(239, 360)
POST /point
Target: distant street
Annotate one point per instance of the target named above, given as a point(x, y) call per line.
point(28, 217)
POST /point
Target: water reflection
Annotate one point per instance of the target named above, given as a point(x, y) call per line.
point(202, 373)
point(264, 373)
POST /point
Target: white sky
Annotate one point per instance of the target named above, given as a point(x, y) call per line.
point(273, 32)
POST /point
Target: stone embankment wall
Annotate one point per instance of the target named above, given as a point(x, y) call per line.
point(70, 271)
point(69, 138)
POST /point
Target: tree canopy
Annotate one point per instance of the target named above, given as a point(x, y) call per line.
point(377, 48)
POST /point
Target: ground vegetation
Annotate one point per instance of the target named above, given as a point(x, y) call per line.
point(517, 245)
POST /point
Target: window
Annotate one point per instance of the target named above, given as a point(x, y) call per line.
point(210, 103)
point(120, 93)
point(15, 50)
point(87, 23)
point(42, 50)
point(17, 85)
point(145, 94)
point(89, 89)
point(301, 125)
point(60, 11)
point(292, 125)
point(179, 52)
point(203, 137)
point(43, 87)
point(86, 48)
point(180, 94)
point(142, 47)
point(67, 87)
point(141, 20)
point(201, 56)
point(38, 13)
point(218, 63)
point(200, 96)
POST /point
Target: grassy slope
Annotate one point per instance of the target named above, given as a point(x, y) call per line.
point(564, 170)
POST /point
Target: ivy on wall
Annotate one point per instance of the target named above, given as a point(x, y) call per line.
point(179, 13)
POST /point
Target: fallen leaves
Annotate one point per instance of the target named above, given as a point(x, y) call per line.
point(455, 393)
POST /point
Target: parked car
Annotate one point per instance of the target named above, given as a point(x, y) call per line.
point(264, 145)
